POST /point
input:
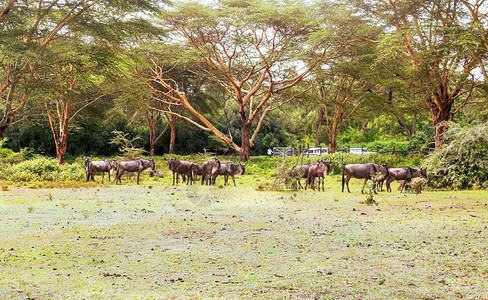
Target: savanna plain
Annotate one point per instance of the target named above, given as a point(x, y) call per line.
point(155, 240)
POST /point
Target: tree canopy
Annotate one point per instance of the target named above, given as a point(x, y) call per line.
point(239, 76)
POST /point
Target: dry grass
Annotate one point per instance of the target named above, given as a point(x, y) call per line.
point(158, 241)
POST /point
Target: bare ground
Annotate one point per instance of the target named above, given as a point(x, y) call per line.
point(158, 241)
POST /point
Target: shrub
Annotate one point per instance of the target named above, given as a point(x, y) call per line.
point(461, 162)
point(41, 169)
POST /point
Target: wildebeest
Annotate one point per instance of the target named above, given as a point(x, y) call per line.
point(366, 171)
point(106, 165)
point(155, 174)
point(298, 172)
point(320, 171)
point(86, 162)
point(208, 170)
point(229, 169)
point(406, 173)
point(137, 165)
point(196, 170)
point(180, 167)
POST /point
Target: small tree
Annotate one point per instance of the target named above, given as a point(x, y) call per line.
point(126, 145)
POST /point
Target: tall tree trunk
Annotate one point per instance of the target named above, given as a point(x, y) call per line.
point(319, 127)
point(332, 146)
point(246, 140)
point(61, 149)
point(440, 110)
point(172, 139)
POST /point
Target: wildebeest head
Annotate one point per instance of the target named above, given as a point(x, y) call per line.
point(243, 168)
point(383, 168)
point(423, 172)
point(172, 163)
point(215, 163)
point(327, 165)
point(87, 161)
point(151, 164)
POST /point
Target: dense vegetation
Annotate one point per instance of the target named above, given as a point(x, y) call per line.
point(238, 77)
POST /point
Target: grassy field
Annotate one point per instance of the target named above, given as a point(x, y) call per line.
point(157, 241)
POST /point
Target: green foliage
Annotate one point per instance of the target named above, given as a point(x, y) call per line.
point(41, 169)
point(126, 145)
point(462, 161)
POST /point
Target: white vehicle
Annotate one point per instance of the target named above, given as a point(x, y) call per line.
point(316, 152)
point(360, 151)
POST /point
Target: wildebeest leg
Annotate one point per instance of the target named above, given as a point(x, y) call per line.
point(348, 178)
point(310, 181)
point(234, 179)
point(364, 184)
point(323, 179)
point(138, 173)
point(103, 173)
point(389, 180)
point(404, 186)
point(118, 177)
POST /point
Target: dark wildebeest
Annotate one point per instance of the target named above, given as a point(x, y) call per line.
point(155, 174)
point(320, 171)
point(208, 170)
point(229, 169)
point(180, 167)
point(172, 163)
point(298, 172)
point(86, 163)
point(366, 171)
point(196, 170)
point(106, 165)
point(137, 165)
point(406, 173)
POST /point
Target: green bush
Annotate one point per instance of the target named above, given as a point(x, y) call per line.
point(462, 162)
point(41, 169)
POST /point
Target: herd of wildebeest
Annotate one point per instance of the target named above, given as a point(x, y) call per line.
point(210, 170)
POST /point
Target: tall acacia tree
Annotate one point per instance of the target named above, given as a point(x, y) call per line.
point(28, 28)
point(431, 36)
point(251, 48)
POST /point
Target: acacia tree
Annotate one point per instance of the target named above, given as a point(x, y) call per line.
point(341, 98)
point(248, 47)
point(27, 28)
point(431, 36)
point(69, 92)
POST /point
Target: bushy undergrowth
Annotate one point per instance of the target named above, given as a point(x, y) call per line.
point(41, 169)
point(462, 162)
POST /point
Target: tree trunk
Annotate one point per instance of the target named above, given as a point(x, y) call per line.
point(319, 127)
point(61, 150)
point(172, 138)
point(2, 131)
point(440, 110)
point(246, 140)
point(439, 135)
point(332, 146)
